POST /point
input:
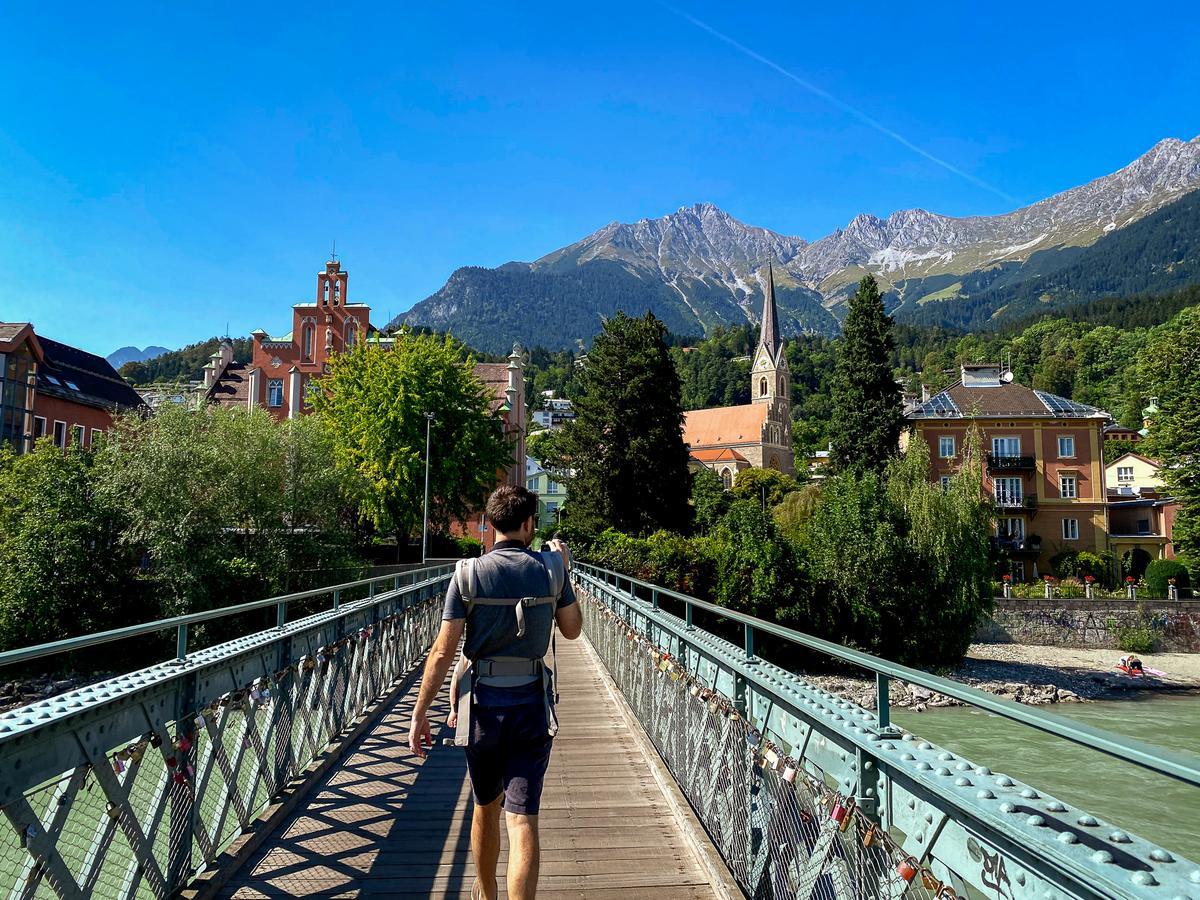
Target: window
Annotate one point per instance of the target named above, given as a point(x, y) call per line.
point(1018, 571)
point(54, 381)
point(762, 388)
point(78, 434)
point(308, 341)
point(1070, 529)
point(96, 432)
point(945, 482)
point(1006, 446)
point(351, 333)
point(946, 446)
point(1143, 526)
point(39, 427)
point(1068, 486)
point(552, 487)
point(1008, 491)
point(72, 385)
point(726, 479)
point(275, 392)
point(531, 484)
point(1011, 528)
point(551, 508)
point(1066, 446)
point(60, 434)
point(1124, 473)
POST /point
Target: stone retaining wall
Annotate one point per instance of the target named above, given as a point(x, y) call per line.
point(1092, 623)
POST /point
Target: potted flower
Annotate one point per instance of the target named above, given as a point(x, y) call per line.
point(1088, 581)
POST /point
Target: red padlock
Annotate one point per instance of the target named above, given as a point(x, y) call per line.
point(838, 813)
point(907, 869)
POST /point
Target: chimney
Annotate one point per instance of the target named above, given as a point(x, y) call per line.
point(209, 375)
point(926, 392)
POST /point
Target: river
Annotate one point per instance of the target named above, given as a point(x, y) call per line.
point(1153, 806)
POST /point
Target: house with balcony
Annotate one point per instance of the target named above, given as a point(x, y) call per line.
point(552, 493)
point(1141, 513)
point(1042, 463)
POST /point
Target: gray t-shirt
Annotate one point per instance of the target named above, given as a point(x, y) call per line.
point(510, 570)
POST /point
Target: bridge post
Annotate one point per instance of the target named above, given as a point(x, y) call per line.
point(181, 641)
point(654, 598)
point(749, 632)
point(687, 617)
point(337, 599)
point(281, 614)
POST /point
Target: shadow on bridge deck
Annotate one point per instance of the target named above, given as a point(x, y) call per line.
point(387, 824)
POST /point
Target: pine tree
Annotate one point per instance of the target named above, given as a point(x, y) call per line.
point(867, 414)
point(625, 447)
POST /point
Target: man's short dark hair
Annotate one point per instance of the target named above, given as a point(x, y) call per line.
point(509, 506)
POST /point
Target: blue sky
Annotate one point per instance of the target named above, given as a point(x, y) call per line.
point(165, 171)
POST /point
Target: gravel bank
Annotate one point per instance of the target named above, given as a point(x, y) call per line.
point(1034, 675)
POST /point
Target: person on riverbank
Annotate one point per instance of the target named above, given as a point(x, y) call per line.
point(1130, 665)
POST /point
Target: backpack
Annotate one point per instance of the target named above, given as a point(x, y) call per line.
point(486, 668)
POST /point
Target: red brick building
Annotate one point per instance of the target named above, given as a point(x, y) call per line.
point(53, 390)
point(1042, 459)
point(282, 368)
point(278, 376)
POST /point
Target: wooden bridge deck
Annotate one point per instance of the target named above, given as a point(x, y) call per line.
point(385, 823)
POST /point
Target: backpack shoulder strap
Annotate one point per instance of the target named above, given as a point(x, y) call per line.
point(464, 577)
point(556, 572)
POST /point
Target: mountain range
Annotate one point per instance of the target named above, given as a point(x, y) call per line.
point(699, 267)
point(119, 357)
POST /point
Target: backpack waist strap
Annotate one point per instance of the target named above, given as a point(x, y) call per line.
point(507, 666)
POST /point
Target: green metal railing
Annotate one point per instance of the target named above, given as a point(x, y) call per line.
point(767, 759)
point(131, 786)
point(1157, 759)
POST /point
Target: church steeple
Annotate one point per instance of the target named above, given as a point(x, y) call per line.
point(769, 377)
point(769, 330)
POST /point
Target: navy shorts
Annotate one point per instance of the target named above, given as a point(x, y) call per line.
point(508, 754)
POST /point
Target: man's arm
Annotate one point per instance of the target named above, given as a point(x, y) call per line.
point(438, 663)
point(570, 621)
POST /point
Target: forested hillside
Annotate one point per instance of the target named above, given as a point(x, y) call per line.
point(183, 365)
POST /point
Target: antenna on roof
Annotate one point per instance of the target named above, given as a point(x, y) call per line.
point(333, 252)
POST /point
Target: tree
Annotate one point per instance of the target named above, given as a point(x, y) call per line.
point(1168, 368)
point(372, 405)
point(710, 500)
point(867, 415)
point(626, 446)
point(62, 569)
point(767, 487)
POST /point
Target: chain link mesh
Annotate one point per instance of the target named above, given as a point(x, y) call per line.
point(159, 807)
point(781, 830)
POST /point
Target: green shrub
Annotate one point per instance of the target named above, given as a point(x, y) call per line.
point(468, 547)
point(1069, 589)
point(1137, 638)
point(1158, 573)
point(1065, 564)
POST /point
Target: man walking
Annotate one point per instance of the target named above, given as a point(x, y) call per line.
point(509, 741)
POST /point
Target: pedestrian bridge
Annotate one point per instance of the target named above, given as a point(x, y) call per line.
point(275, 764)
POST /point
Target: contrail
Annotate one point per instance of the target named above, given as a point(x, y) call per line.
point(840, 104)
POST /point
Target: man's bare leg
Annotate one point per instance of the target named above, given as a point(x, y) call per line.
point(524, 856)
point(485, 846)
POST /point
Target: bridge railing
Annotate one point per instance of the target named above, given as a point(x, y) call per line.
point(132, 786)
point(806, 794)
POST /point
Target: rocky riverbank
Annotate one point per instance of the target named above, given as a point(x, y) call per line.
point(22, 692)
point(1030, 674)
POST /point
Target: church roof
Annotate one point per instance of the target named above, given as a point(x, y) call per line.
point(724, 425)
point(718, 454)
point(495, 376)
point(233, 387)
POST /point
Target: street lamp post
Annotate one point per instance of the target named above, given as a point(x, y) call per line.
point(425, 508)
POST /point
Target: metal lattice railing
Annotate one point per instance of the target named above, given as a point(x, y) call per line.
point(781, 830)
point(131, 787)
point(805, 794)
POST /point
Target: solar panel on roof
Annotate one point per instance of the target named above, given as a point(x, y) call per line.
point(939, 406)
point(1061, 406)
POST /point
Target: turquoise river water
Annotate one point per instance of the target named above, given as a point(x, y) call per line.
point(1156, 807)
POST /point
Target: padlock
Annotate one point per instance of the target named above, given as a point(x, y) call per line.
point(931, 883)
point(752, 738)
point(112, 809)
point(118, 766)
point(869, 837)
point(199, 720)
point(789, 774)
point(28, 835)
point(138, 753)
point(155, 740)
point(839, 812)
point(171, 762)
point(180, 778)
point(907, 869)
point(184, 744)
point(770, 757)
